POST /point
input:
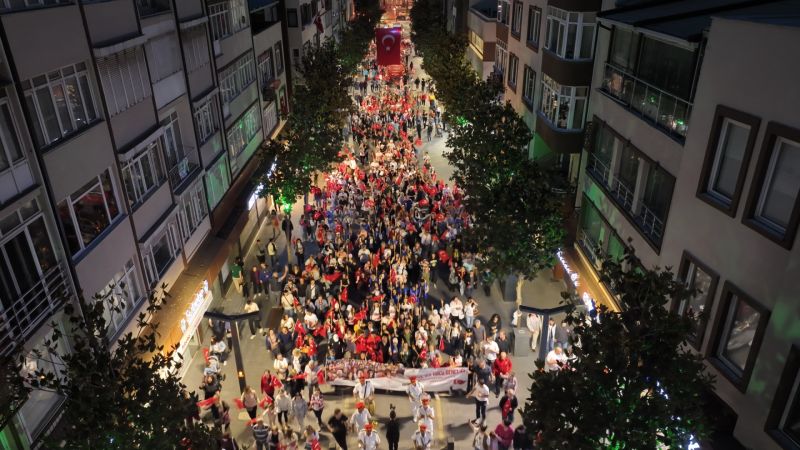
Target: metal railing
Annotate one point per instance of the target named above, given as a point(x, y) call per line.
point(31, 309)
point(651, 224)
point(226, 19)
point(180, 171)
point(667, 111)
point(600, 170)
point(623, 194)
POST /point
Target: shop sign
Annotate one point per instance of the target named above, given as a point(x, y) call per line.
point(251, 202)
point(196, 308)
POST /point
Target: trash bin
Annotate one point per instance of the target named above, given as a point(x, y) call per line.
point(522, 342)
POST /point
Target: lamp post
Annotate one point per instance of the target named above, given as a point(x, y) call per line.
point(233, 320)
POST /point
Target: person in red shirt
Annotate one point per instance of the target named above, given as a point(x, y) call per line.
point(505, 435)
point(500, 369)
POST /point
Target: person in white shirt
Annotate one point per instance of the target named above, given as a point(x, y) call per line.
point(422, 438)
point(555, 357)
point(364, 391)
point(281, 366)
point(456, 309)
point(481, 395)
point(310, 320)
point(415, 392)
point(425, 414)
point(360, 417)
point(534, 325)
point(490, 349)
point(469, 314)
point(368, 439)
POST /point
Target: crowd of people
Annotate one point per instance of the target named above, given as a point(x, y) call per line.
point(378, 236)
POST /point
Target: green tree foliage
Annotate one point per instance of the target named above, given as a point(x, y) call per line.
point(121, 396)
point(320, 106)
point(516, 204)
point(633, 384)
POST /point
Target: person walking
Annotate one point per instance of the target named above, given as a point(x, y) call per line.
point(317, 404)
point(480, 440)
point(481, 396)
point(415, 391)
point(250, 401)
point(393, 431)
point(337, 425)
point(283, 403)
point(300, 409)
point(253, 321)
point(260, 434)
point(272, 252)
point(505, 435)
point(422, 438)
point(368, 439)
point(508, 404)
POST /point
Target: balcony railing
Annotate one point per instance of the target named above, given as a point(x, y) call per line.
point(226, 19)
point(598, 168)
point(180, 172)
point(622, 193)
point(152, 7)
point(651, 224)
point(33, 308)
point(667, 111)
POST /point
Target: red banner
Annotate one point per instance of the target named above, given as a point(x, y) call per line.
point(387, 41)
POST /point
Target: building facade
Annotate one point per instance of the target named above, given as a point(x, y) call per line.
point(481, 35)
point(128, 129)
point(692, 159)
point(544, 51)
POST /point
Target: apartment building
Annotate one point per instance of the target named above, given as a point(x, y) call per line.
point(481, 34)
point(544, 51)
point(128, 132)
point(310, 22)
point(692, 159)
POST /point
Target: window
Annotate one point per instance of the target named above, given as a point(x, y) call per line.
point(165, 56)
point(513, 65)
point(528, 86)
point(773, 208)
point(305, 14)
point(26, 256)
point(476, 42)
point(291, 17)
point(625, 179)
point(160, 254)
point(243, 131)
point(236, 77)
point(702, 282)
point(534, 25)
point(783, 421)
point(124, 78)
point(196, 48)
point(88, 212)
point(205, 118)
point(192, 210)
point(730, 143)
point(9, 5)
point(599, 161)
point(218, 180)
point(227, 18)
point(11, 150)
point(596, 236)
point(739, 330)
point(570, 35)
point(60, 102)
point(563, 106)
point(278, 58)
point(503, 11)
point(173, 144)
point(516, 24)
point(266, 71)
point(121, 296)
point(654, 205)
point(501, 57)
point(143, 173)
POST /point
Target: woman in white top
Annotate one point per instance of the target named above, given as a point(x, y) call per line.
point(469, 313)
point(281, 366)
point(283, 404)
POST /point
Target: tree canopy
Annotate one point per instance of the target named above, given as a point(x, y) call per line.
point(633, 383)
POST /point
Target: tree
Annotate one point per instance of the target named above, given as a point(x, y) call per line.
point(120, 396)
point(633, 384)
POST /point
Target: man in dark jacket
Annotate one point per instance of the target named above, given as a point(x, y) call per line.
point(508, 404)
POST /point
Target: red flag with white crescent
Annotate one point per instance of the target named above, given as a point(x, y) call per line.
point(387, 41)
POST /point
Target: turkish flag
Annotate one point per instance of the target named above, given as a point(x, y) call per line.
point(388, 42)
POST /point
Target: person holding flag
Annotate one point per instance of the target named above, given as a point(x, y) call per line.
point(415, 393)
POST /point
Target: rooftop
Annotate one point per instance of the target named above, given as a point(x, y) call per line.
point(487, 8)
point(688, 19)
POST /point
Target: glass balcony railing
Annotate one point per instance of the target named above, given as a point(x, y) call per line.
point(180, 172)
point(28, 312)
point(666, 111)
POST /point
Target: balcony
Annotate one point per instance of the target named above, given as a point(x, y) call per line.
point(650, 224)
point(149, 8)
point(180, 172)
point(598, 168)
point(28, 312)
point(12, 5)
point(665, 111)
